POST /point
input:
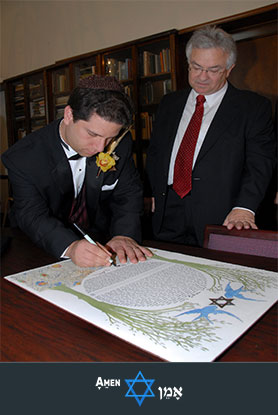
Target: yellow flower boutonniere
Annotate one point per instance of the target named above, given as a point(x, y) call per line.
point(107, 161)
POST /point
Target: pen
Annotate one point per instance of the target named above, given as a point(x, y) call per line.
point(89, 239)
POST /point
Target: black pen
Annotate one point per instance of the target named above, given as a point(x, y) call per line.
point(89, 239)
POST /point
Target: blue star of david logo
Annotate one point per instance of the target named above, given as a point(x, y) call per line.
point(139, 379)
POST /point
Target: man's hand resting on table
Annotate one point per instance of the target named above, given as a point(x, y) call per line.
point(127, 248)
point(240, 219)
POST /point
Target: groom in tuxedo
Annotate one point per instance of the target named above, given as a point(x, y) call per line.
point(59, 178)
point(212, 151)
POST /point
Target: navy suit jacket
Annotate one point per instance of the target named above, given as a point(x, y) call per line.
point(43, 191)
point(235, 162)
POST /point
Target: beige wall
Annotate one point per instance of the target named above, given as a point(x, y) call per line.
point(38, 33)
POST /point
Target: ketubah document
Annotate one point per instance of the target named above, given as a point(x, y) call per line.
point(178, 307)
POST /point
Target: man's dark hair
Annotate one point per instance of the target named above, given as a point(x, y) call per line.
point(113, 106)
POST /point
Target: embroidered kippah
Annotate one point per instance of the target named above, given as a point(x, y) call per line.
point(109, 83)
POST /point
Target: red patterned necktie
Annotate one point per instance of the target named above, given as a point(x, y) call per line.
point(79, 214)
point(182, 183)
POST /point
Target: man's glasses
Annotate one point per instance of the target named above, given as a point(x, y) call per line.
point(213, 72)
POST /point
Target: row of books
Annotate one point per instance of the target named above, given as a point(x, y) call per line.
point(129, 90)
point(37, 108)
point(155, 63)
point(152, 92)
point(19, 92)
point(60, 83)
point(62, 100)
point(36, 89)
point(84, 72)
point(60, 103)
point(19, 109)
point(122, 70)
point(19, 87)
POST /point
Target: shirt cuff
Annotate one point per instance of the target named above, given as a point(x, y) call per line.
point(249, 210)
point(63, 254)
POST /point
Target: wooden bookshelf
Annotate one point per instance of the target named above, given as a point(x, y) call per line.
point(26, 104)
point(120, 63)
point(59, 87)
point(37, 110)
point(156, 78)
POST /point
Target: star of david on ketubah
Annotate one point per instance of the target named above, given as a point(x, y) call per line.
point(222, 301)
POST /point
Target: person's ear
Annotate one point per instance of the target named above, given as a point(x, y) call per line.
point(68, 116)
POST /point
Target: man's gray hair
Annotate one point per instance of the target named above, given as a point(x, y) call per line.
point(212, 37)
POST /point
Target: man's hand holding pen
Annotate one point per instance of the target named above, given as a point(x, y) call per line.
point(85, 254)
point(88, 253)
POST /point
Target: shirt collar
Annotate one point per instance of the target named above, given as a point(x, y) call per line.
point(211, 99)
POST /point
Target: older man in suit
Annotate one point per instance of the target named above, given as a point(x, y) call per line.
point(212, 150)
point(59, 178)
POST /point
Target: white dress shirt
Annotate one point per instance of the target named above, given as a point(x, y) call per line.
point(78, 167)
point(210, 107)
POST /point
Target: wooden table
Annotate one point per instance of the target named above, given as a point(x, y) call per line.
point(33, 330)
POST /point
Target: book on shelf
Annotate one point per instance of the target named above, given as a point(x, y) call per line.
point(19, 88)
point(60, 83)
point(37, 108)
point(86, 71)
point(129, 90)
point(147, 121)
point(165, 60)
point(155, 63)
point(19, 98)
point(125, 69)
point(63, 100)
point(19, 110)
point(36, 89)
point(121, 69)
point(152, 92)
point(133, 134)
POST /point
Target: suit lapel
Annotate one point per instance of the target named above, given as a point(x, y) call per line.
point(93, 182)
point(63, 177)
point(174, 117)
point(224, 116)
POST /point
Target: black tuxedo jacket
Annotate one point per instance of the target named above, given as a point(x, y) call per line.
point(43, 191)
point(234, 165)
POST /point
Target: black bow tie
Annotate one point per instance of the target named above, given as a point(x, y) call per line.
point(75, 157)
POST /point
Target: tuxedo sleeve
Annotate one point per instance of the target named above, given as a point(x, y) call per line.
point(260, 150)
point(32, 212)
